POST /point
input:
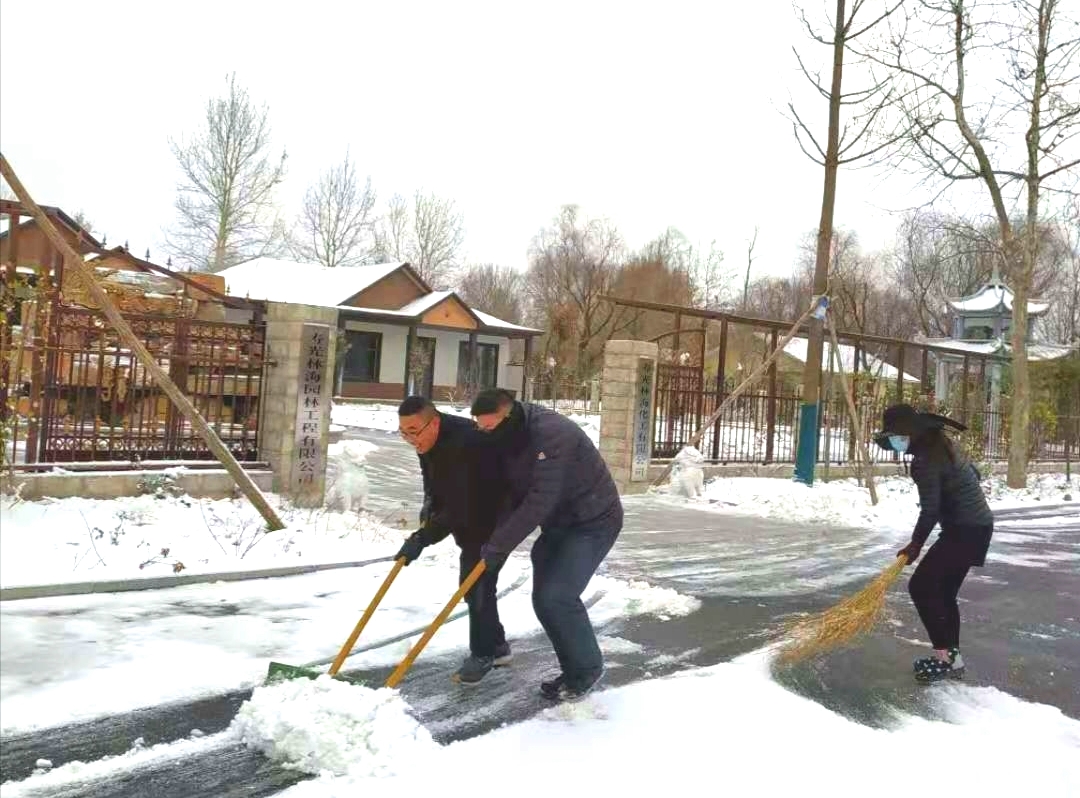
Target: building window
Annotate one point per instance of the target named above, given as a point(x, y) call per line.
point(362, 357)
point(487, 359)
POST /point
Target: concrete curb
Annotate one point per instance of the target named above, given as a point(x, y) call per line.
point(161, 582)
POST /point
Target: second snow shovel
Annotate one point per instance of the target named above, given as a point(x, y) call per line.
point(279, 671)
point(466, 586)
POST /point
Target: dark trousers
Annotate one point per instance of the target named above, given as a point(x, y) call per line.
point(934, 587)
point(563, 563)
point(485, 630)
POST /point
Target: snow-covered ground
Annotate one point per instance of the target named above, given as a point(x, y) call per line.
point(52, 541)
point(844, 503)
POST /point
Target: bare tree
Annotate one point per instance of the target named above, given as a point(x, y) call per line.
point(225, 204)
point(496, 290)
point(428, 234)
point(392, 232)
point(750, 246)
point(1016, 137)
point(1063, 318)
point(80, 218)
point(846, 142)
point(336, 226)
point(705, 269)
point(573, 263)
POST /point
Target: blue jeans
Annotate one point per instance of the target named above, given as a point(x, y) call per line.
point(563, 563)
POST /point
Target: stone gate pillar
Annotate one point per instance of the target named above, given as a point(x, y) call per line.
point(628, 395)
point(300, 343)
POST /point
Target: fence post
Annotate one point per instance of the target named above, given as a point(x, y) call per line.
point(964, 391)
point(721, 362)
point(771, 411)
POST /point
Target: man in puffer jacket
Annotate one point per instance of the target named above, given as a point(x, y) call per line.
point(555, 479)
point(949, 494)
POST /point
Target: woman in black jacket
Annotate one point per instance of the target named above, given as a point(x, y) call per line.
point(949, 494)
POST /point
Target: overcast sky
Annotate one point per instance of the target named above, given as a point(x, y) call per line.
point(650, 114)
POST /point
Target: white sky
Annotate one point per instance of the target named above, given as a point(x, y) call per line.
point(648, 117)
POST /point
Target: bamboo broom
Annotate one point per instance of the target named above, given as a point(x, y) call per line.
point(856, 615)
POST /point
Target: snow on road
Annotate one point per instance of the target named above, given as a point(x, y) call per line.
point(729, 724)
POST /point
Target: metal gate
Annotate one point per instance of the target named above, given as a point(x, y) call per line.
point(679, 407)
point(101, 404)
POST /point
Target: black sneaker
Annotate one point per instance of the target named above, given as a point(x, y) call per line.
point(573, 691)
point(473, 669)
point(549, 688)
point(503, 655)
point(934, 669)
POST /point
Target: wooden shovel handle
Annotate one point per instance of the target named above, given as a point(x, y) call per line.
point(348, 647)
point(406, 663)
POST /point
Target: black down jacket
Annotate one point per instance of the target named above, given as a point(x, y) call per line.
point(554, 477)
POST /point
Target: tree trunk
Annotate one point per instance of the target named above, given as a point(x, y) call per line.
point(806, 453)
point(1020, 414)
point(1025, 254)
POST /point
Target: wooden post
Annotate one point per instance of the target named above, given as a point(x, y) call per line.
point(862, 454)
point(410, 347)
point(473, 378)
point(826, 405)
point(525, 368)
point(964, 392)
point(82, 271)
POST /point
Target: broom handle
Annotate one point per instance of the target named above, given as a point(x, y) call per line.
point(406, 663)
point(348, 647)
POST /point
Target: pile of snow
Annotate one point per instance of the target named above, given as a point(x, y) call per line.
point(327, 726)
point(51, 541)
point(1041, 488)
point(845, 503)
point(346, 475)
point(636, 597)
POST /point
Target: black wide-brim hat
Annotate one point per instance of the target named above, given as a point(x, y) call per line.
point(903, 419)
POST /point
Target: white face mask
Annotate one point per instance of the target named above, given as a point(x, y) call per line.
point(899, 443)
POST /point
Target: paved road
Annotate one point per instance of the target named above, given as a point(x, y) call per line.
point(1021, 634)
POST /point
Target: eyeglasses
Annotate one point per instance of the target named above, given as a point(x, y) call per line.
point(412, 436)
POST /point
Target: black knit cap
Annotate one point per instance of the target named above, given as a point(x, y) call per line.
point(491, 401)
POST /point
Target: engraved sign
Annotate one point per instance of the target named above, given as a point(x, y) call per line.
point(312, 409)
point(643, 401)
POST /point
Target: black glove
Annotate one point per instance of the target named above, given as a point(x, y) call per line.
point(911, 551)
point(493, 560)
point(412, 547)
point(425, 511)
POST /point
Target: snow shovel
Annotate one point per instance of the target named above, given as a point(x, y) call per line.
point(406, 663)
point(279, 671)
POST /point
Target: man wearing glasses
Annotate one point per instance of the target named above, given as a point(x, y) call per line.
point(462, 490)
